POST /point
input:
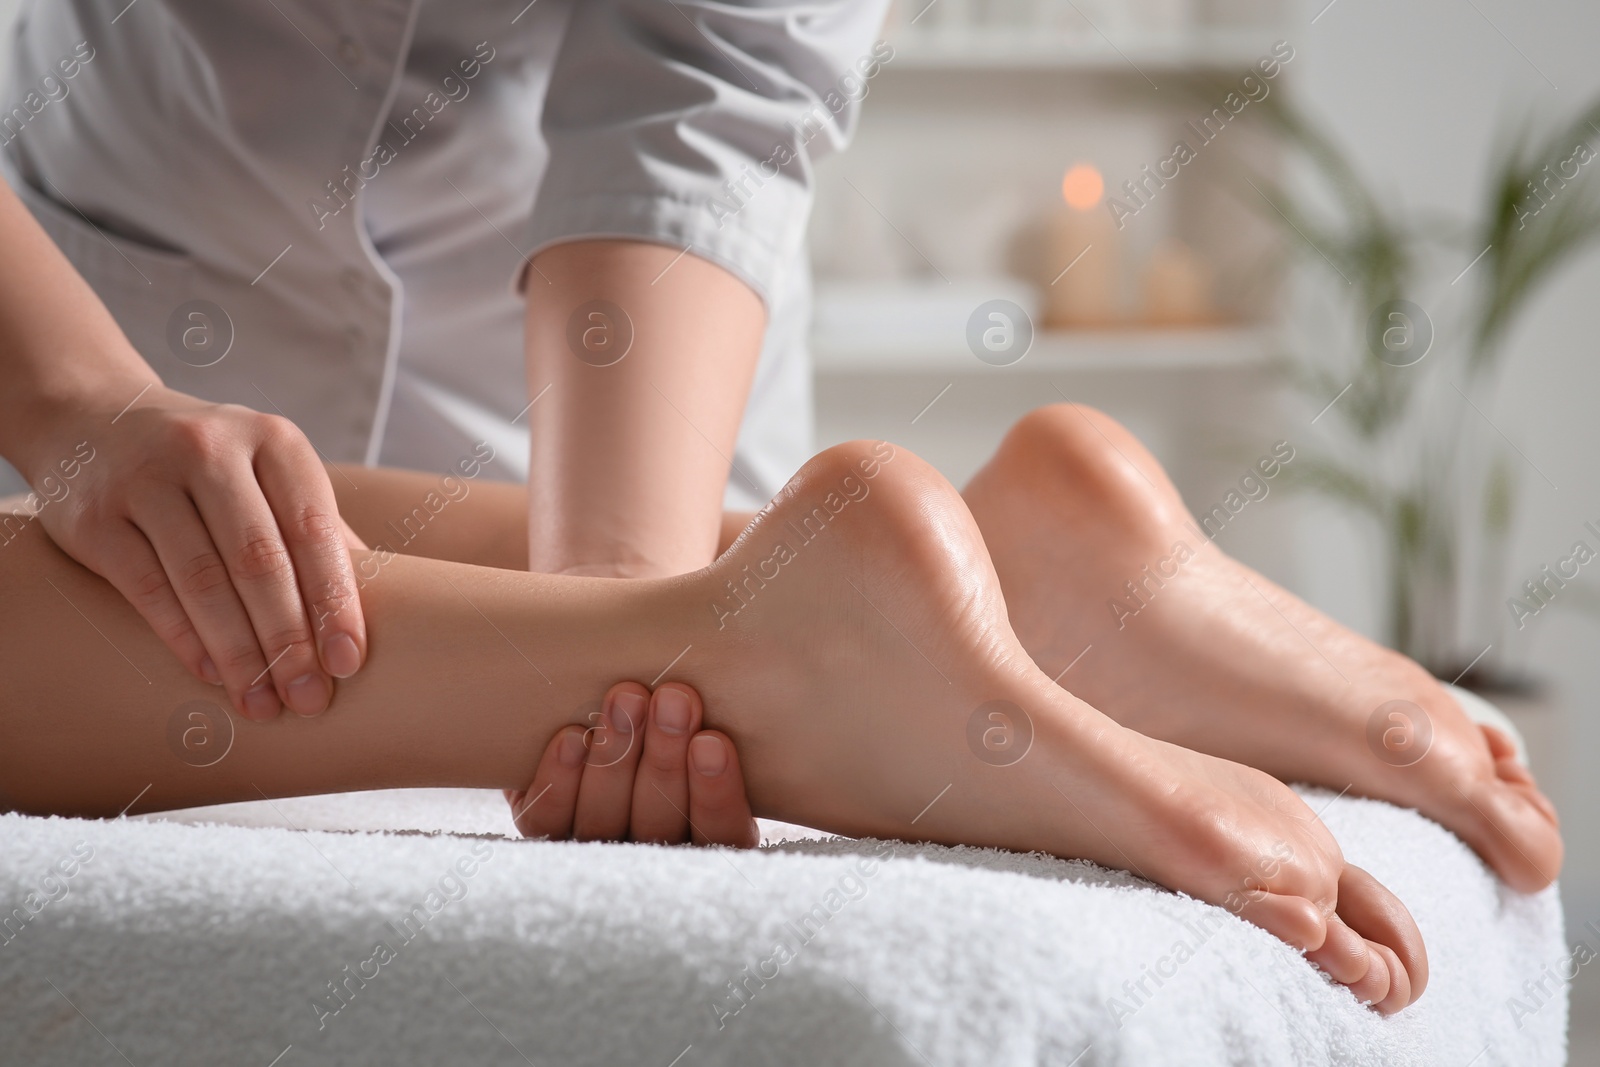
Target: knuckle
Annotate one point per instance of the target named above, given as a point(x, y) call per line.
point(179, 631)
point(261, 554)
point(150, 597)
point(203, 574)
point(275, 431)
point(202, 438)
point(290, 649)
point(333, 600)
point(241, 660)
point(312, 525)
point(147, 587)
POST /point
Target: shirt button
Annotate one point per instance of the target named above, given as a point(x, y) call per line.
point(349, 51)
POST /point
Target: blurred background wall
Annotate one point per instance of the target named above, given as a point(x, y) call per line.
point(954, 196)
point(1420, 92)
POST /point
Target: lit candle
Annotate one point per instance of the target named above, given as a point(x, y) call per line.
point(1083, 260)
point(1177, 286)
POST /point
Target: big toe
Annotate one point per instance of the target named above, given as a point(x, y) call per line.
point(1513, 827)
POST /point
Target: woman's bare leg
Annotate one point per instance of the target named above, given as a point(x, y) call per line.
point(478, 670)
point(853, 643)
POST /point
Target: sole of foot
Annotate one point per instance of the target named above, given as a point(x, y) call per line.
point(854, 643)
point(1098, 556)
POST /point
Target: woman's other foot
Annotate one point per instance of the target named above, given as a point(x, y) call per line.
point(1099, 559)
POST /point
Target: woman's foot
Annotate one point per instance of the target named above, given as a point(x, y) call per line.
point(1099, 559)
point(854, 644)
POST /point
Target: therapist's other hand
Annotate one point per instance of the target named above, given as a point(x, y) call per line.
point(645, 771)
point(218, 524)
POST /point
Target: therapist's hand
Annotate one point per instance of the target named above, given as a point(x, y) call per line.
point(644, 771)
point(219, 526)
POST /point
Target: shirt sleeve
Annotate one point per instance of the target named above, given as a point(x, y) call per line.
point(697, 123)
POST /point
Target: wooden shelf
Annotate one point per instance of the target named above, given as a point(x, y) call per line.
point(1000, 48)
point(1126, 350)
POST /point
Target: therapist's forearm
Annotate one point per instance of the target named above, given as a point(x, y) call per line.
point(629, 460)
point(58, 343)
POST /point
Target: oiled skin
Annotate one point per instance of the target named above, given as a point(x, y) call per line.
point(1219, 659)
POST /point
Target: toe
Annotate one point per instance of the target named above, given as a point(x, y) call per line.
point(1291, 919)
point(1374, 987)
point(1367, 907)
point(1512, 826)
point(1510, 769)
point(1344, 956)
point(1500, 744)
point(1508, 766)
point(1399, 982)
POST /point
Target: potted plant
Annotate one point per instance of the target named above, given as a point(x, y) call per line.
point(1410, 445)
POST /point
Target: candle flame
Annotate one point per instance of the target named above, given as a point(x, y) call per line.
point(1082, 186)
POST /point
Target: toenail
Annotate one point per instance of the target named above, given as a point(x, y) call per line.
point(626, 709)
point(708, 755)
point(672, 711)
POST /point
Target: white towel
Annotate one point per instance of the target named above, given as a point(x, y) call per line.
point(173, 943)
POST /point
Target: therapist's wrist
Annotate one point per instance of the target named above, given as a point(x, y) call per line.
point(38, 416)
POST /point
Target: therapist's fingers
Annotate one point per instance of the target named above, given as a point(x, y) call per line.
point(605, 797)
point(546, 807)
point(719, 809)
point(661, 786)
point(252, 546)
point(205, 589)
point(297, 489)
point(132, 567)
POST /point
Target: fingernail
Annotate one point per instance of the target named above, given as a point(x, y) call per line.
point(341, 656)
point(626, 709)
point(261, 702)
point(672, 711)
point(571, 752)
point(208, 671)
point(308, 694)
point(708, 755)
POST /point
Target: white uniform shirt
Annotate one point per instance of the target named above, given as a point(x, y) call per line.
point(356, 185)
